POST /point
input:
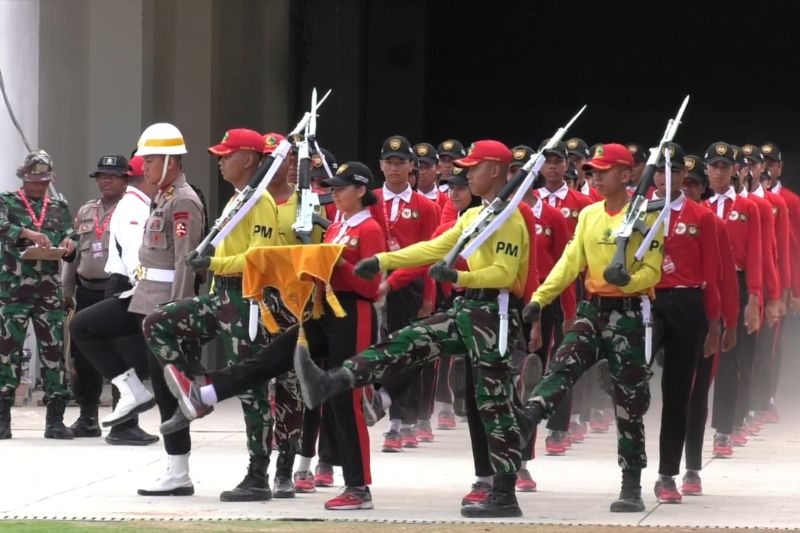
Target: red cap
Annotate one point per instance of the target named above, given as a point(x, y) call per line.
point(135, 166)
point(607, 156)
point(488, 150)
point(238, 139)
point(271, 141)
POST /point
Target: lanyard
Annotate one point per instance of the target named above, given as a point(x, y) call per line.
point(37, 222)
point(100, 230)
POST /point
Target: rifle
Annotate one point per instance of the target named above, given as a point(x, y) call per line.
point(501, 208)
point(309, 202)
point(616, 272)
point(248, 196)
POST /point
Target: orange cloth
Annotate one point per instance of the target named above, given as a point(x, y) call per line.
point(297, 272)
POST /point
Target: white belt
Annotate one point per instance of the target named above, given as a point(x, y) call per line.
point(155, 274)
point(502, 304)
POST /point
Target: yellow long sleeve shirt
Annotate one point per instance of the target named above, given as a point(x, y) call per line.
point(592, 248)
point(259, 227)
point(500, 263)
point(287, 215)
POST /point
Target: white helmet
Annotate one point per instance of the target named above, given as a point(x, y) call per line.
point(161, 139)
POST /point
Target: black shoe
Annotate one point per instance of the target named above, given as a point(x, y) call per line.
point(317, 385)
point(283, 488)
point(255, 485)
point(5, 419)
point(133, 435)
point(54, 421)
point(87, 424)
point(502, 502)
point(629, 501)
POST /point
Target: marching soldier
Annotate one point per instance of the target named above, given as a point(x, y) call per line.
point(223, 313)
point(30, 290)
point(578, 152)
point(85, 280)
point(609, 324)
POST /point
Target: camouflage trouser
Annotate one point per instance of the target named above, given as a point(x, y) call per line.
point(44, 309)
point(288, 410)
point(618, 338)
point(224, 313)
point(470, 327)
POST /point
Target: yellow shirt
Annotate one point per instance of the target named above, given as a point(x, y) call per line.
point(287, 215)
point(593, 247)
point(500, 263)
point(259, 227)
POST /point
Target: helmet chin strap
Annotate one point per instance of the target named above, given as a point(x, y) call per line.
point(164, 170)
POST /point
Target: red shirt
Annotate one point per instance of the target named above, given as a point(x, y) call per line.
point(691, 254)
point(414, 220)
point(782, 239)
point(728, 282)
point(769, 261)
point(793, 205)
point(363, 239)
point(744, 231)
point(552, 237)
point(532, 281)
point(570, 205)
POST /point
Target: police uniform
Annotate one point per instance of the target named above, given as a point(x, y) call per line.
point(223, 313)
point(609, 325)
point(30, 290)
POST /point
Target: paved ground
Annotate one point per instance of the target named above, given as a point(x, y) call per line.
point(87, 479)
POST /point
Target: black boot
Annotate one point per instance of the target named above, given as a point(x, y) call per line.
point(630, 496)
point(284, 486)
point(5, 419)
point(317, 385)
point(130, 434)
point(86, 425)
point(255, 485)
point(54, 421)
point(502, 502)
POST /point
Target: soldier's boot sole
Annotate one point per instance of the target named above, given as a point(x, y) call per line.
point(177, 491)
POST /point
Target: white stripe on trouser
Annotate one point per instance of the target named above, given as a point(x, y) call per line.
point(647, 319)
point(502, 304)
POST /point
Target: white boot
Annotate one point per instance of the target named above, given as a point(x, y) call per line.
point(174, 482)
point(134, 398)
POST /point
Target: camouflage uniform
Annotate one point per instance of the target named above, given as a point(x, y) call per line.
point(31, 290)
point(470, 327)
point(619, 338)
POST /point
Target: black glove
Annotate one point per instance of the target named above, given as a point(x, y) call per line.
point(197, 262)
point(368, 268)
point(531, 313)
point(441, 272)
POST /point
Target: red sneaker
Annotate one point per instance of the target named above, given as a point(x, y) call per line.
point(351, 499)
point(567, 441)
point(739, 438)
point(304, 482)
point(577, 431)
point(525, 482)
point(323, 475)
point(598, 422)
point(771, 416)
point(186, 392)
point(722, 447)
point(446, 420)
point(554, 444)
point(408, 438)
point(667, 492)
point(423, 431)
point(479, 493)
point(392, 442)
point(692, 485)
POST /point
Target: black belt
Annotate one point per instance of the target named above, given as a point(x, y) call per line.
point(92, 284)
point(616, 304)
point(491, 295)
point(228, 283)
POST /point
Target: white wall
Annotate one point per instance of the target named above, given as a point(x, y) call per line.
point(19, 60)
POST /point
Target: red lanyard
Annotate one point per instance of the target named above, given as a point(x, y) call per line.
point(37, 222)
point(98, 230)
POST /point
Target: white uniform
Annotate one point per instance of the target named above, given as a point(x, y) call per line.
point(126, 231)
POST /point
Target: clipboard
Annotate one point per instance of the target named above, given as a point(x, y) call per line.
point(35, 253)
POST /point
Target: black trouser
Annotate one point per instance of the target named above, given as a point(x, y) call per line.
point(402, 308)
point(698, 410)
point(730, 372)
point(763, 367)
point(552, 324)
point(679, 317)
point(427, 390)
point(335, 340)
point(87, 383)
